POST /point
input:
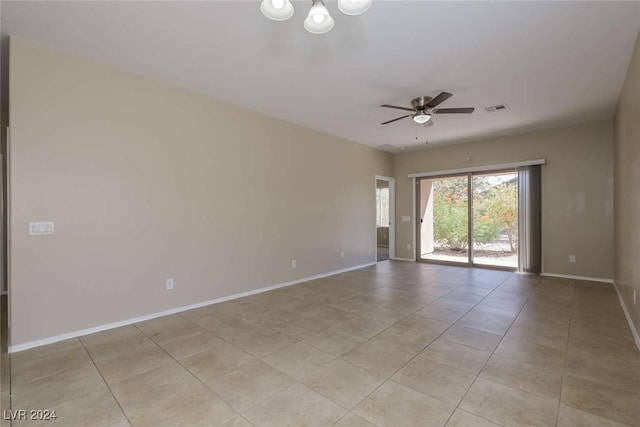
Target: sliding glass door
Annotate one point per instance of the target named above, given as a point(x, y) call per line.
point(444, 219)
point(495, 219)
point(468, 219)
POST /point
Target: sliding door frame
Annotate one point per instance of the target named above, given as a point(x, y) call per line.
point(418, 216)
point(418, 222)
point(477, 264)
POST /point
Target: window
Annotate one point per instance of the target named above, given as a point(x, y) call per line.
point(382, 203)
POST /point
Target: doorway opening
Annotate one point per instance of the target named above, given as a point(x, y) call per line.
point(469, 219)
point(384, 230)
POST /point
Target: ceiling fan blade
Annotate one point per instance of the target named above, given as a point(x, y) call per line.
point(454, 110)
point(399, 118)
point(397, 108)
point(439, 99)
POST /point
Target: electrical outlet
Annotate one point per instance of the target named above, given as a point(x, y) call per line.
point(294, 264)
point(169, 283)
point(342, 254)
point(408, 247)
point(572, 258)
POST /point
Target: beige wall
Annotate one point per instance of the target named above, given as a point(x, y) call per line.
point(627, 190)
point(577, 191)
point(146, 181)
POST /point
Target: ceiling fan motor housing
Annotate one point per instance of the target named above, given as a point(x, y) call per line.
point(420, 102)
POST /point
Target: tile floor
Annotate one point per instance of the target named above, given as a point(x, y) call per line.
point(399, 344)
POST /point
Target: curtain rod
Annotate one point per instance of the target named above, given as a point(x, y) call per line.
point(479, 168)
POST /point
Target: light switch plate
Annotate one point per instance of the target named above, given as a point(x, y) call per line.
point(41, 228)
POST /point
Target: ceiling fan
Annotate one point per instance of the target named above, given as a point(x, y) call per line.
point(424, 108)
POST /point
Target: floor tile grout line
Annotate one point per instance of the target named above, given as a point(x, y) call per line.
point(42, 377)
point(566, 354)
point(492, 353)
point(389, 378)
point(191, 373)
point(241, 414)
point(374, 336)
point(487, 361)
point(401, 367)
point(418, 355)
point(298, 340)
point(298, 315)
point(507, 333)
point(528, 299)
point(368, 370)
point(335, 325)
point(504, 335)
point(104, 380)
point(64, 373)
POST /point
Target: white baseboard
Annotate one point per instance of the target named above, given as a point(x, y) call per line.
point(403, 259)
point(634, 331)
point(82, 332)
point(589, 279)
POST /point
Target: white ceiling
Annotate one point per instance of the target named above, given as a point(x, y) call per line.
point(552, 63)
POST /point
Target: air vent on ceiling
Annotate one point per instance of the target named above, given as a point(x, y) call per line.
point(386, 147)
point(495, 108)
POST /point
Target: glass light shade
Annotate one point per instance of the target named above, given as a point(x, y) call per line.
point(277, 10)
point(318, 21)
point(354, 7)
point(421, 117)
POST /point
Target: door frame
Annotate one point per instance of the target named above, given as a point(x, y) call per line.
point(392, 216)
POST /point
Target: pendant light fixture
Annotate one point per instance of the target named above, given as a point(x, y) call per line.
point(277, 10)
point(354, 7)
point(318, 20)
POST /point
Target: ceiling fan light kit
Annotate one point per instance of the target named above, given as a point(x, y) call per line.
point(319, 20)
point(421, 117)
